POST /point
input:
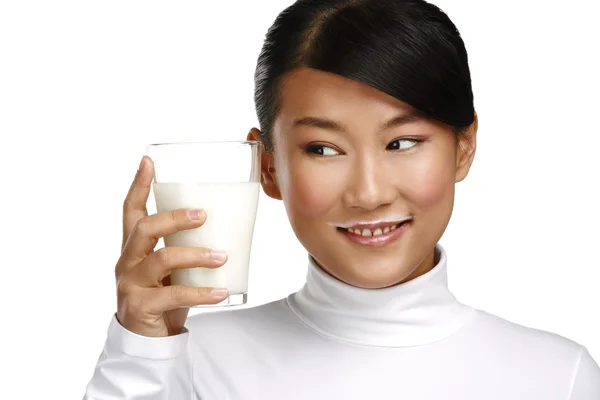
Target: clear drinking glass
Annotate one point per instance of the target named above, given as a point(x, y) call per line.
point(223, 178)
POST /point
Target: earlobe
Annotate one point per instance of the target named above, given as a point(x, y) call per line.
point(269, 184)
point(268, 173)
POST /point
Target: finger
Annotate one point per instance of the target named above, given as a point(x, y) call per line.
point(161, 263)
point(148, 230)
point(171, 297)
point(134, 206)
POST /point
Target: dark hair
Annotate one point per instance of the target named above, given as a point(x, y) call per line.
point(408, 49)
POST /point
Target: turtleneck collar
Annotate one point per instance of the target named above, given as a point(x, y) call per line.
point(414, 313)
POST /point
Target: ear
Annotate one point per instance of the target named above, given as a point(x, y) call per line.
point(465, 150)
point(268, 178)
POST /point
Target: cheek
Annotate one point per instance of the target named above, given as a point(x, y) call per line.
point(432, 183)
point(309, 195)
point(309, 192)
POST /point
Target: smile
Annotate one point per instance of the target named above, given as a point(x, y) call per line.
point(375, 236)
point(375, 232)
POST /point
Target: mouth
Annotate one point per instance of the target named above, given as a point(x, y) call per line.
point(375, 235)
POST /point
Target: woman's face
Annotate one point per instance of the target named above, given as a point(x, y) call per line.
point(346, 154)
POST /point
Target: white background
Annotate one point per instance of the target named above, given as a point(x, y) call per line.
point(84, 86)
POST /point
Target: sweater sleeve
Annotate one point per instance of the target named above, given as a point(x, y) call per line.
point(136, 367)
point(586, 385)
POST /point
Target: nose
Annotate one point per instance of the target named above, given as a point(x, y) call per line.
point(370, 185)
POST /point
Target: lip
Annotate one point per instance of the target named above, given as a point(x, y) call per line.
point(377, 241)
point(376, 224)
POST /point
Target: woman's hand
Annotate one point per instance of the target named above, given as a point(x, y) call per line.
point(147, 304)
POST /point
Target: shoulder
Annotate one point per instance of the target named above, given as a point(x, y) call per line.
point(512, 339)
point(540, 359)
point(587, 381)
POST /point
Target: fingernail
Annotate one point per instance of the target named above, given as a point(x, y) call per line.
point(218, 255)
point(195, 214)
point(219, 292)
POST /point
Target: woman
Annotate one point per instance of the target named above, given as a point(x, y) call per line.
point(367, 118)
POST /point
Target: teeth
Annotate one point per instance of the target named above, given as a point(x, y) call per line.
point(376, 232)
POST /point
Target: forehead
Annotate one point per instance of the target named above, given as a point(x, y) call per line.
point(310, 92)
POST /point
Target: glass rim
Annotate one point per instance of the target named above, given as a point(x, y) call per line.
point(209, 142)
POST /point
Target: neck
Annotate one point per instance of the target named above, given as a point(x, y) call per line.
point(416, 311)
point(424, 267)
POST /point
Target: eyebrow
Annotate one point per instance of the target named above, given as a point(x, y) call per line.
point(329, 124)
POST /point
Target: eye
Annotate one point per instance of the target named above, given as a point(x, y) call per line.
point(321, 150)
point(402, 144)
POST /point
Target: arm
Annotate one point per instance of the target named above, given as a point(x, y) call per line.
point(137, 367)
point(586, 385)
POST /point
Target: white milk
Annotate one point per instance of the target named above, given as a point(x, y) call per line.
point(231, 212)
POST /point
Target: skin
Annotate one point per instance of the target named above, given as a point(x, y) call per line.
point(147, 303)
point(350, 167)
point(364, 169)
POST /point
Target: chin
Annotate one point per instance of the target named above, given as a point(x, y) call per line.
point(374, 274)
point(365, 268)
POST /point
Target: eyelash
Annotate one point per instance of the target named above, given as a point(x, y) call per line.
point(310, 149)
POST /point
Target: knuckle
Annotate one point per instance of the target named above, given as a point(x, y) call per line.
point(142, 226)
point(118, 271)
point(130, 298)
point(164, 255)
point(124, 287)
point(134, 305)
point(127, 204)
point(177, 292)
point(202, 292)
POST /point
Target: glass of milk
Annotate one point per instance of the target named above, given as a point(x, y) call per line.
point(223, 178)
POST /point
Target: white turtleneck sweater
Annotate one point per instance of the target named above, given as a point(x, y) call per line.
point(335, 341)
